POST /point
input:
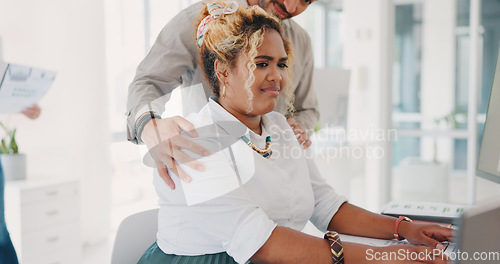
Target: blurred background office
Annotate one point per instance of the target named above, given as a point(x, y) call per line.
point(419, 74)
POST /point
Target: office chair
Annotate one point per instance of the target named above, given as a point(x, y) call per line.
point(135, 234)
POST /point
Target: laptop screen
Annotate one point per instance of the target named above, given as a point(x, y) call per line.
point(488, 165)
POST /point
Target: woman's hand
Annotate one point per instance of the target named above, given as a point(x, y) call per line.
point(430, 235)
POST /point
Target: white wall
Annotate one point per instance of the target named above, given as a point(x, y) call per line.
point(438, 71)
point(71, 138)
point(370, 37)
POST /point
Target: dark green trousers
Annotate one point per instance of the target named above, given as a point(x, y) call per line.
point(154, 255)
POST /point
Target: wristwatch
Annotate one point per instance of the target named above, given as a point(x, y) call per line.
point(141, 123)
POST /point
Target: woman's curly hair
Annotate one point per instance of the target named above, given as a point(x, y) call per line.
point(233, 34)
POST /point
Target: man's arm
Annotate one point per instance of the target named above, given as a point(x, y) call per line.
point(172, 56)
point(306, 102)
point(171, 59)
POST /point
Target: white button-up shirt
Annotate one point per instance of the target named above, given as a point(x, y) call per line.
point(236, 202)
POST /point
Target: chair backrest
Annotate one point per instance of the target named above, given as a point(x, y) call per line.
point(135, 234)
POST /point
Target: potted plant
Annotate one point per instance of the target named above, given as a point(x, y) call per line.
point(423, 180)
point(451, 121)
point(13, 163)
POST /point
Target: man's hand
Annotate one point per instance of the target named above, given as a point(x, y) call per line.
point(302, 136)
point(164, 142)
point(32, 112)
point(430, 235)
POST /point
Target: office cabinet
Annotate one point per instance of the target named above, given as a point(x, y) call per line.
point(43, 218)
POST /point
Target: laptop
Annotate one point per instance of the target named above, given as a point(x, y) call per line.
point(478, 239)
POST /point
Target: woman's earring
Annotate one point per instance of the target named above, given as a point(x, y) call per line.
point(224, 91)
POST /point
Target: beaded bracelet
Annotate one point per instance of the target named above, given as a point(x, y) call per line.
point(336, 247)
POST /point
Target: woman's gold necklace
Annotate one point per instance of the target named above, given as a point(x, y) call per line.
point(266, 152)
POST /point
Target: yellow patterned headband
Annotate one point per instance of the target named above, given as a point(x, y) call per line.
point(216, 9)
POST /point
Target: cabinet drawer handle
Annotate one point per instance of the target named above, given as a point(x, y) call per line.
point(52, 193)
point(52, 239)
point(53, 212)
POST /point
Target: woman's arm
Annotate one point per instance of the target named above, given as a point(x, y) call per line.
point(353, 220)
point(286, 245)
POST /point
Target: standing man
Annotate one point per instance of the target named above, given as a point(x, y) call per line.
point(173, 62)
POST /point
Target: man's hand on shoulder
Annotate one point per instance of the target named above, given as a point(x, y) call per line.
point(162, 137)
point(298, 130)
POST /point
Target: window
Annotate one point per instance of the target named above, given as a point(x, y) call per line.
point(323, 21)
point(131, 29)
point(407, 73)
point(407, 78)
point(431, 81)
point(490, 19)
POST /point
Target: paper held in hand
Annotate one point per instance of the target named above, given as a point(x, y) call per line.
point(23, 86)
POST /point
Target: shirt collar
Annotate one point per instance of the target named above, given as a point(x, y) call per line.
point(225, 120)
point(232, 125)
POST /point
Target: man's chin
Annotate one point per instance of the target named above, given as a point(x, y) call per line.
point(271, 9)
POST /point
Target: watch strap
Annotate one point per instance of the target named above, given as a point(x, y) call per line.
point(141, 123)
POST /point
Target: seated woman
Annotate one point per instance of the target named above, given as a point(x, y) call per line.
point(258, 190)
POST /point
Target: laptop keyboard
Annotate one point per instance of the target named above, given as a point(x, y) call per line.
point(450, 247)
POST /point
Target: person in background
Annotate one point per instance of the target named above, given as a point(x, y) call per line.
point(255, 197)
point(7, 251)
point(32, 112)
point(172, 62)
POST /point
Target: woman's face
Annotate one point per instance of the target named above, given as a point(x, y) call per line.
point(270, 74)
